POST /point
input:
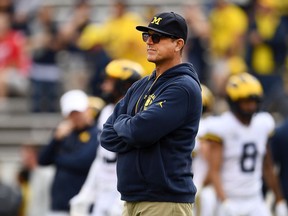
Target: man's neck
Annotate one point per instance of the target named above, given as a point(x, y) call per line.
point(161, 68)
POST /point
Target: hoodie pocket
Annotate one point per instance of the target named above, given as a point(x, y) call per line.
point(151, 168)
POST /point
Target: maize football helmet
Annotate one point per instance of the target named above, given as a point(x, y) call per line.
point(96, 104)
point(243, 87)
point(207, 99)
point(125, 72)
point(124, 69)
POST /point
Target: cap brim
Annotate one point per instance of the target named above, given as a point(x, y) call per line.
point(146, 29)
point(67, 110)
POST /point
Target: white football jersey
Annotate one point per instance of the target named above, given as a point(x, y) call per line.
point(106, 160)
point(244, 147)
point(100, 186)
point(199, 163)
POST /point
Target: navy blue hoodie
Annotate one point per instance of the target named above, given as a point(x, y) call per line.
point(153, 129)
point(72, 158)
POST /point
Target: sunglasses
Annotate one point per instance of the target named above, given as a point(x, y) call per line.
point(155, 37)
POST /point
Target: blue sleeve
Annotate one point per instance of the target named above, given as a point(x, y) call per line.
point(167, 113)
point(109, 139)
point(47, 153)
point(79, 160)
point(278, 140)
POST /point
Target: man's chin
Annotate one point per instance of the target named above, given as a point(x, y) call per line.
point(149, 59)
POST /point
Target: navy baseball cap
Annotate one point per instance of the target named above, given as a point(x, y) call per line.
point(167, 23)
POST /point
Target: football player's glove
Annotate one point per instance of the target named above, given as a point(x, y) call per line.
point(281, 208)
point(226, 209)
point(79, 206)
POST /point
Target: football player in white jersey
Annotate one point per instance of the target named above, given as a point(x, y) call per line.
point(100, 187)
point(200, 166)
point(240, 157)
point(205, 198)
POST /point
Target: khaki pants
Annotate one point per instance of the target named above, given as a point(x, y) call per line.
point(157, 209)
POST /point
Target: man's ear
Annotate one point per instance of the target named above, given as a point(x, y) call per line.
point(180, 44)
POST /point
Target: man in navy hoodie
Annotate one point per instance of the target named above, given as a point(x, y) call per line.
point(72, 149)
point(153, 127)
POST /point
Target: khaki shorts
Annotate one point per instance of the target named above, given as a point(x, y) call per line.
point(157, 209)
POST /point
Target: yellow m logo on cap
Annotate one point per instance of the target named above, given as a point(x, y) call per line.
point(156, 20)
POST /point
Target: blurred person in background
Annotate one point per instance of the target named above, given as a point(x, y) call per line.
point(24, 13)
point(228, 25)
point(35, 182)
point(279, 146)
point(72, 28)
point(8, 6)
point(122, 39)
point(198, 40)
point(10, 199)
point(115, 38)
point(71, 150)
point(72, 56)
point(267, 52)
point(100, 187)
point(91, 42)
point(96, 105)
point(241, 155)
point(200, 152)
point(14, 60)
point(45, 75)
point(205, 204)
